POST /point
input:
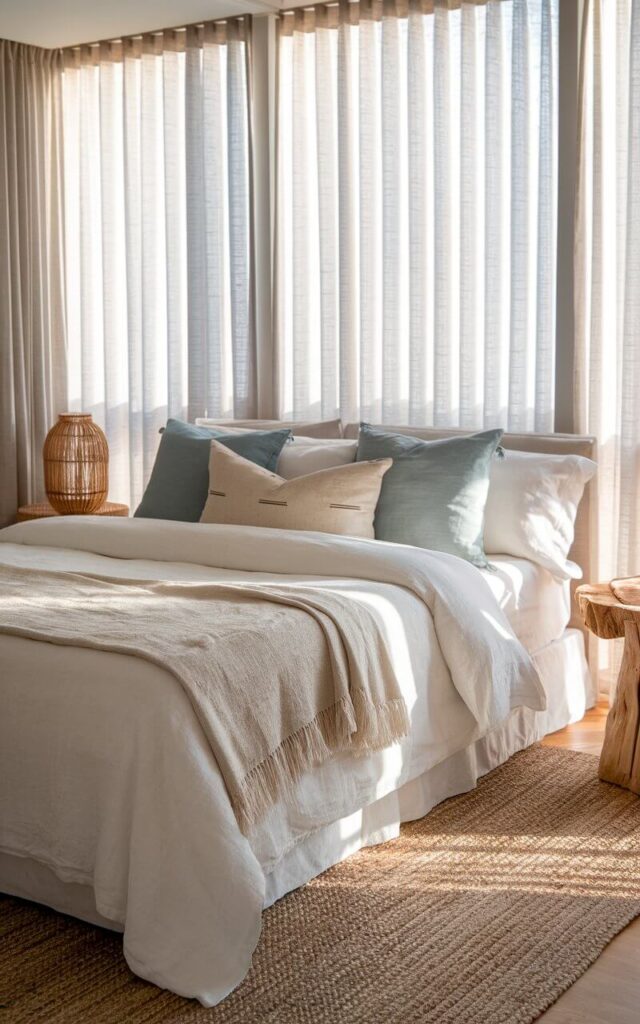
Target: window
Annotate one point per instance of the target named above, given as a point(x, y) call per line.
point(417, 208)
point(158, 236)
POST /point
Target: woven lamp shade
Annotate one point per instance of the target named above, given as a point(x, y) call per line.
point(76, 465)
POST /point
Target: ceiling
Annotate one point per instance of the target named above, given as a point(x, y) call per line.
point(52, 23)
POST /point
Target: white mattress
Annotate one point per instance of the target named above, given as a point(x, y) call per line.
point(537, 605)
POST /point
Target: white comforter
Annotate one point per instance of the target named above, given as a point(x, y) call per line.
point(106, 777)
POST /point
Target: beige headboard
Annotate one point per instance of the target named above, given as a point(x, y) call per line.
point(302, 428)
point(583, 548)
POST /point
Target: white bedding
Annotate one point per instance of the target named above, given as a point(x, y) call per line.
point(570, 691)
point(106, 776)
point(537, 605)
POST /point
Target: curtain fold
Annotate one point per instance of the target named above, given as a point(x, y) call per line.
point(159, 234)
point(416, 212)
point(32, 323)
point(607, 276)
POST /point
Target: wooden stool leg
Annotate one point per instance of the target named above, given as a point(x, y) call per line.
point(620, 758)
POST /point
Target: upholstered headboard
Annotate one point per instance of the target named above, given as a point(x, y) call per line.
point(304, 428)
point(583, 550)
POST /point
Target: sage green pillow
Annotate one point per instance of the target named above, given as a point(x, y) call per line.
point(179, 482)
point(435, 493)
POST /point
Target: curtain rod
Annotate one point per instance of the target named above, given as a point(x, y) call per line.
point(408, 4)
point(157, 32)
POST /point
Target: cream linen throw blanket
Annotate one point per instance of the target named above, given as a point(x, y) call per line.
point(268, 718)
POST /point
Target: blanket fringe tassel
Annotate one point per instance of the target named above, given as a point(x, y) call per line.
point(353, 723)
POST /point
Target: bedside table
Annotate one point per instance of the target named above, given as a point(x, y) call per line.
point(43, 510)
point(613, 610)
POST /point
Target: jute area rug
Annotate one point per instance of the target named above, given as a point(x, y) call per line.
point(483, 912)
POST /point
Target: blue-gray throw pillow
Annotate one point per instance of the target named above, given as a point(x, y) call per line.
point(435, 493)
point(179, 481)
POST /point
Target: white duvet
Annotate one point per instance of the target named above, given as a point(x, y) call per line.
point(105, 775)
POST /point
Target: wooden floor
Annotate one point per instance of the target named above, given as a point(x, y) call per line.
point(609, 992)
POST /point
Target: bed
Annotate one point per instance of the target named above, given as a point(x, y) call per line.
point(112, 806)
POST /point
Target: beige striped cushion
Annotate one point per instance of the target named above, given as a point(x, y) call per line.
point(341, 500)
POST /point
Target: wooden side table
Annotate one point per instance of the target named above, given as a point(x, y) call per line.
point(613, 610)
point(43, 510)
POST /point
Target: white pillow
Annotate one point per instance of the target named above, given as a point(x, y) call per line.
point(303, 455)
point(532, 505)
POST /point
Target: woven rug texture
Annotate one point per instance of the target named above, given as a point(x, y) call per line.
point(483, 912)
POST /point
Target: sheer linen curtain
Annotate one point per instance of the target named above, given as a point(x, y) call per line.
point(158, 231)
point(32, 328)
point(607, 268)
point(416, 212)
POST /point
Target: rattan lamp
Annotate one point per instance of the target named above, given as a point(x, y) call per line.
point(76, 465)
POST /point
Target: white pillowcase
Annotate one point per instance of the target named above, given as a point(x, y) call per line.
point(532, 505)
point(303, 455)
